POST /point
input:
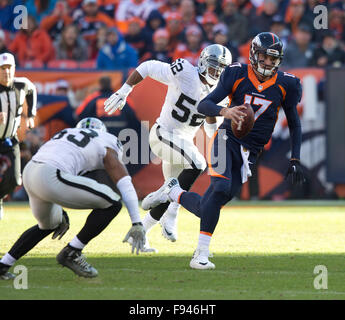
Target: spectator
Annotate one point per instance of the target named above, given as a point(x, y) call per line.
point(39, 9)
point(32, 44)
point(160, 49)
point(329, 53)
point(237, 22)
point(247, 8)
point(299, 50)
point(63, 89)
point(279, 28)
point(133, 8)
point(208, 21)
point(90, 20)
point(175, 28)
point(208, 6)
point(108, 7)
point(137, 37)
point(101, 40)
point(192, 48)
point(221, 37)
point(116, 53)
point(296, 14)
point(70, 46)
point(7, 14)
point(263, 21)
point(154, 22)
point(55, 22)
point(336, 20)
point(3, 47)
point(188, 13)
point(169, 6)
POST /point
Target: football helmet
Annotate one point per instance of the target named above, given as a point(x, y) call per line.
point(91, 123)
point(269, 44)
point(212, 62)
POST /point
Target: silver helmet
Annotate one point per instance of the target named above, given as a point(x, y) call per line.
point(212, 61)
point(91, 123)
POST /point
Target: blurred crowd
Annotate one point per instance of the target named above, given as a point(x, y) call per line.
point(117, 34)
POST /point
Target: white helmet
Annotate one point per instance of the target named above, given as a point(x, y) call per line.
point(212, 61)
point(91, 123)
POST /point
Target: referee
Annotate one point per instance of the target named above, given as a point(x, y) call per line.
point(13, 92)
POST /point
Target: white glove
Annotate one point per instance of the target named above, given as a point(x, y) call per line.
point(137, 233)
point(118, 99)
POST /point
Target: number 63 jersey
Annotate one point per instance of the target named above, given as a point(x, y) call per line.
point(185, 90)
point(78, 150)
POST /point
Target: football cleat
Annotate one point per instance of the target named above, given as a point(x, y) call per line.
point(169, 227)
point(73, 259)
point(155, 198)
point(4, 274)
point(200, 260)
point(146, 248)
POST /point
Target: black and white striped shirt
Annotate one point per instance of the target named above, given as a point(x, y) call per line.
point(11, 103)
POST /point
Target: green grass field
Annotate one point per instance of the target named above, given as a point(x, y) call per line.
point(262, 251)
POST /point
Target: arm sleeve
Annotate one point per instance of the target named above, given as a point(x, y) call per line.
point(31, 96)
point(156, 70)
point(293, 97)
point(208, 106)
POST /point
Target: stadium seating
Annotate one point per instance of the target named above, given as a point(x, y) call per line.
point(62, 64)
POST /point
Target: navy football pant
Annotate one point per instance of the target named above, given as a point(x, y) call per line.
point(226, 182)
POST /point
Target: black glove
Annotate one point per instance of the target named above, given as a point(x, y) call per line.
point(296, 172)
point(63, 227)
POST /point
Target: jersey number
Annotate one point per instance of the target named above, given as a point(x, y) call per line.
point(263, 103)
point(83, 142)
point(176, 66)
point(197, 119)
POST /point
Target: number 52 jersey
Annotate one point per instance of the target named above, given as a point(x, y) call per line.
point(78, 150)
point(179, 113)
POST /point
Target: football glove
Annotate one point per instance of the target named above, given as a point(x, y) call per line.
point(137, 233)
point(63, 226)
point(295, 172)
point(118, 99)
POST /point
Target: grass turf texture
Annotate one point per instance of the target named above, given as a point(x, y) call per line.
point(260, 252)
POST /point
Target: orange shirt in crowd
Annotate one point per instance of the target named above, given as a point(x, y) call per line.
point(37, 47)
point(49, 21)
point(182, 51)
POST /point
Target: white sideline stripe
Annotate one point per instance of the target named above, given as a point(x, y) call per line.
point(276, 292)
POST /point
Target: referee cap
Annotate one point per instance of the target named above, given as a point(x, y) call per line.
point(7, 58)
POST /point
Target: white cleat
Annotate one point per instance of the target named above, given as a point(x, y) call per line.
point(169, 227)
point(155, 198)
point(146, 248)
point(200, 260)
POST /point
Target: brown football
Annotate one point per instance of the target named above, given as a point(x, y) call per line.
point(243, 127)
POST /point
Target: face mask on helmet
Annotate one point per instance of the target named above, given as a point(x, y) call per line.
point(91, 123)
point(212, 62)
point(264, 68)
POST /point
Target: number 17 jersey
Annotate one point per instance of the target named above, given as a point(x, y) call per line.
point(179, 113)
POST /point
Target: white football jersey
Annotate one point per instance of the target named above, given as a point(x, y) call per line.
point(78, 150)
point(185, 90)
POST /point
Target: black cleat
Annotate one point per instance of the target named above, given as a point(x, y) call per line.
point(73, 259)
point(4, 274)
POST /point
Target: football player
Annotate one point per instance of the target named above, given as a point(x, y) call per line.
point(53, 179)
point(171, 137)
point(266, 89)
